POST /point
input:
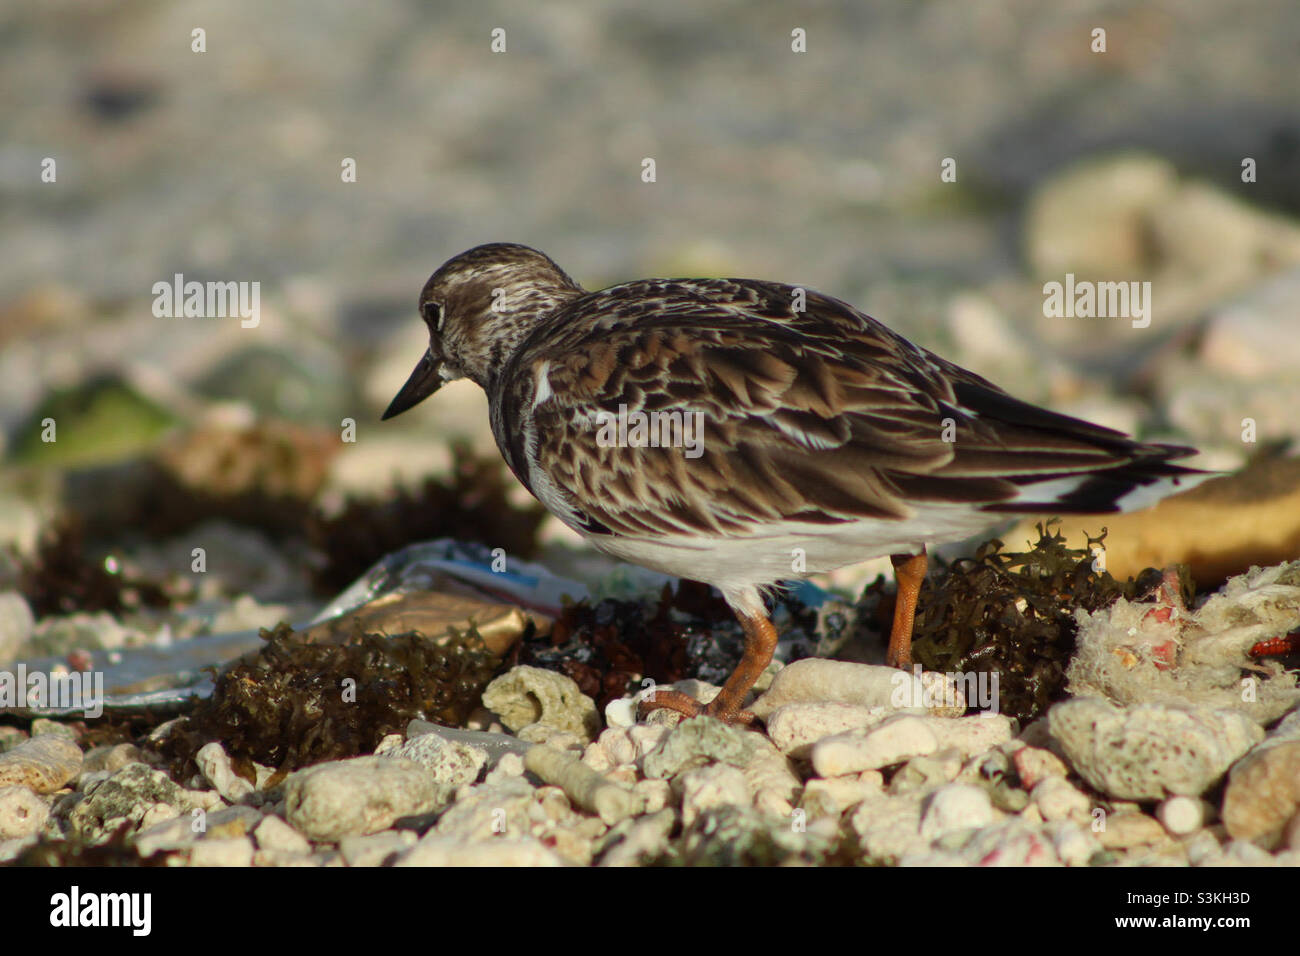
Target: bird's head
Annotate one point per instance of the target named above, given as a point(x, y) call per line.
point(478, 307)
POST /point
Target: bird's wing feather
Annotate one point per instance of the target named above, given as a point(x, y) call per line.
point(820, 414)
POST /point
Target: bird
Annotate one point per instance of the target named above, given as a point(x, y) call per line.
point(742, 432)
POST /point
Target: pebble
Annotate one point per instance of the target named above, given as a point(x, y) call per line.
point(1150, 751)
point(112, 757)
point(176, 833)
point(1263, 792)
point(1012, 842)
point(889, 827)
point(531, 695)
point(450, 762)
point(634, 842)
point(441, 851)
point(701, 741)
point(1181, 815)
point(957, 806)
point(1075, 845)
point(711, 787)
point(655, 795)
point(613, 748)
point(273, 833)
point(510, 765)
point(894, 741)
point(359, 795)
point(1058, 799)
point(831, 796)
point(277, 858)
point(817, 680)
point(375, 849)
point(22, 812)
point(130, 796)
point(42, 764)
point(1035, 764)
point(495, 745)
point(610, 801)
point(16, 625)
point(794, 728)
point(1126, 830)
point(927, 772)
point(10, 737)
point(215, 766)
point(222, 851)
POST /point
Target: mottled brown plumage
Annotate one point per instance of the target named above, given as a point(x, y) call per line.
point(825, 436)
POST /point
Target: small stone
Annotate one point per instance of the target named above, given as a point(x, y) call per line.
point(442, 851)
point(711, 787)
point(530, 695)
point(1127, 830)
point(612, 748)
point(701, 741)
point(892, 742)
point(42, 764)
point(228, 851)
point(1181, 815)
point(376, 849)
point(971, 736)
point(794, 728)
point(128, 797)
point(112, 758)
point(165, 836)
point(621, 712)
point(284, 858)
point(634, 842)
point(817, 680)
point(215, 765)
point(957, 806)
point(450, 762)
point(16, 625)
point(1075, 845)
point(1035, 764)
point(831, 796)
point(1058, 799)
point(22, 812)
point(655, 795)
point(1263, 792)
point(510, 765)
point(1150, 751)
point(927, 772)
point(359, 795)
point(1245, 853)
point(44, 725)
point(272, 833)
point(612, 802)
point(889, 827)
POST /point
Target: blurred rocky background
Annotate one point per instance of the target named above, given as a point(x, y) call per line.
point(820, 168)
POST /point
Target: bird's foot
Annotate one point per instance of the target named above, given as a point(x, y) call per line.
point(690, 707)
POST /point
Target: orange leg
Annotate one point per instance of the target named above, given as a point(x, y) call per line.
point(760, 644)
point(909, 571)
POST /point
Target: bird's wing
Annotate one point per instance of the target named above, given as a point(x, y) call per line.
point(772, 413)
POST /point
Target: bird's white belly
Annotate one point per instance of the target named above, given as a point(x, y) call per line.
point(793, 549)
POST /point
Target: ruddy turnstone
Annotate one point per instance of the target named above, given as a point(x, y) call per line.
point(801, 435)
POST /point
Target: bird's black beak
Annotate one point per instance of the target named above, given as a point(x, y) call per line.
point(424, 381)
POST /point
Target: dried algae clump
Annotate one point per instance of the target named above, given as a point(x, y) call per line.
point(1014, 613)
point(298, 703)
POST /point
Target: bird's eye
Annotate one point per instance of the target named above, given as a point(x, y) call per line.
point(432, 312)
